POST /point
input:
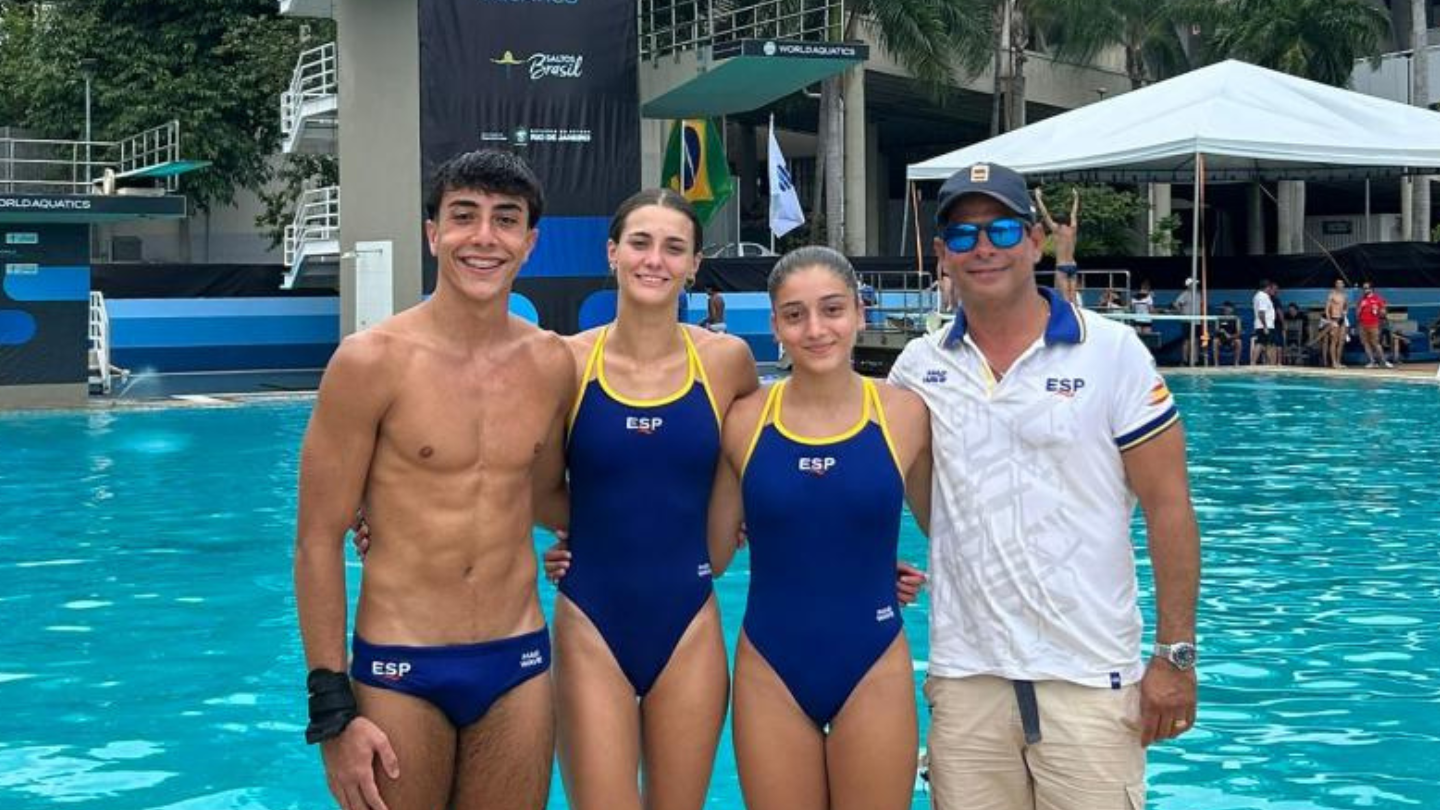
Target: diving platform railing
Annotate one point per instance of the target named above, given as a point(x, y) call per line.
point(314, 233)
point(309, 109)
point(675, 26)
point(43, 166)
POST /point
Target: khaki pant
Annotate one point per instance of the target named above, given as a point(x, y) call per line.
point(1089, 756)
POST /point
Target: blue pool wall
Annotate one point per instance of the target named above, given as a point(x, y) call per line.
point(240, 334)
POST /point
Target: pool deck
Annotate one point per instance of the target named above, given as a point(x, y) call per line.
point(1408, 372)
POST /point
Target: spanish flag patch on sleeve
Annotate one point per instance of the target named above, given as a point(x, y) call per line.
point(1160, 393)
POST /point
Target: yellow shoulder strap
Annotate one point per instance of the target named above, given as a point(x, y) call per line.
point(699, 371)
point(771, 398)
point(590, 366)
point(872, 394)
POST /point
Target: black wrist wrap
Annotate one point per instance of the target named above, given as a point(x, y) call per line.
point(332, 704)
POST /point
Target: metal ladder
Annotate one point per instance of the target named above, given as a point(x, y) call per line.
point(99, 354)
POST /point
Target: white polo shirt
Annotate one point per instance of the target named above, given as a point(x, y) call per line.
point(1032, 571)
point(1264, 307)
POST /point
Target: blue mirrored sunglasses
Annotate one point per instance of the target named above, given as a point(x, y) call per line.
point(1005, 232)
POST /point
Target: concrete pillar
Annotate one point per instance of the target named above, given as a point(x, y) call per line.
point(877, 190)
point(1159, 209)
point(856, 155)
point(1255, 220)
point(833, 120)
point(380, 200)
point(1290, 230)
point(1407, 210)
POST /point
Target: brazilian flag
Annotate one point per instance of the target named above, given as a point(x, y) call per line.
point(695, 166)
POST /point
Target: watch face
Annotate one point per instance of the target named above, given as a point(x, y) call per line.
point(1182, 655)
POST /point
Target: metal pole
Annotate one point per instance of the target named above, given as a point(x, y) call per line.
point(87, 127)
point(87, 70)
point(1196, 243)
point(1367, 209)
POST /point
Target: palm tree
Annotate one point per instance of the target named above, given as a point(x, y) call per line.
point(932, 39)
point(1314, 39)
point(1420, 96)
point(1147, 30)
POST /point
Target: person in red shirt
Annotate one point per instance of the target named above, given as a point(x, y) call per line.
point(1371, 313)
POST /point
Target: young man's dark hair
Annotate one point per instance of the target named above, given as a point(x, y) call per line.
point(489, 170)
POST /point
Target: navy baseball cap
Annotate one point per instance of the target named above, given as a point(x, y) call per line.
point(994, 181)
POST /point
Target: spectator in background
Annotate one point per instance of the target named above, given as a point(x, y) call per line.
point(1370, 313)
point(1279, 343)
point(1143, 304)
point(1264, 342)
point(1187, 303)
point(1227, 333)
point(1296, 319)
point(1336, 321)
point(1395, 341)
point(1064, 231)
point(714, 310)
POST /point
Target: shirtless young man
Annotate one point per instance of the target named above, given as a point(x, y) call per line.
point(445, 421)
point(1335, 306)
point(1064, 232)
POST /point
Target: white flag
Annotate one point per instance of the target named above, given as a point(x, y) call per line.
point(785, 213)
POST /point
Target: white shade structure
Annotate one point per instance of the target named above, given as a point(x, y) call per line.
point(1249, 122)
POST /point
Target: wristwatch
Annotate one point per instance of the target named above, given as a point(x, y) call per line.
point(1181, 654)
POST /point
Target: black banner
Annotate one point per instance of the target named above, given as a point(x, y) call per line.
point(44, 303)
point(553, 79)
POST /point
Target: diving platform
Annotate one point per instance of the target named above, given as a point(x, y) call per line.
point(310, 107)
point(312, 241)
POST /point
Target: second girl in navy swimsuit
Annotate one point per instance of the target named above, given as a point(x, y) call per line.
point(824, 692)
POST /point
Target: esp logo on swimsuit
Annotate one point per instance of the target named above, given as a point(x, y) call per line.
point(644, 425)
point(1064, 386)
point(389, 670)
point(817, 466)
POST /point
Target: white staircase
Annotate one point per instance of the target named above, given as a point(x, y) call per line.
point(102, 373)
point(310, 108)
point(312, 239)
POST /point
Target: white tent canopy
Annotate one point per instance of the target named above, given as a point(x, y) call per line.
point(1248, 122)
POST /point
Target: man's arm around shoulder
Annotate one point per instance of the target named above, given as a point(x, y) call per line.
point(550, 491)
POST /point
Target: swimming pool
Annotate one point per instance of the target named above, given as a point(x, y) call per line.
point(149, 656)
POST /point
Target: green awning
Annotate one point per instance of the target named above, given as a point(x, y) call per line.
point(747, 74)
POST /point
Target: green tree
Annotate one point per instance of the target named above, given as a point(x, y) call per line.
point(1107, 218)
point(1147, 30)
point(217, 66)
point(1314, 39)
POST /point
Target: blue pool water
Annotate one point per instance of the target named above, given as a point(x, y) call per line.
point(149, 656)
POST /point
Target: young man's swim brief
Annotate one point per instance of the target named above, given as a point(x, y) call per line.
point(463, 681)
point(1068, 269)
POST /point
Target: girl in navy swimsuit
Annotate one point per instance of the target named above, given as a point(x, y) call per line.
point(639, 660)
point(824, 695)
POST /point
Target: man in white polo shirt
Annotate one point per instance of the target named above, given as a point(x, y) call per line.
point(1049, 423)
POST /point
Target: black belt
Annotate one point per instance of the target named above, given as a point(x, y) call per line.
point(1029, 710)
